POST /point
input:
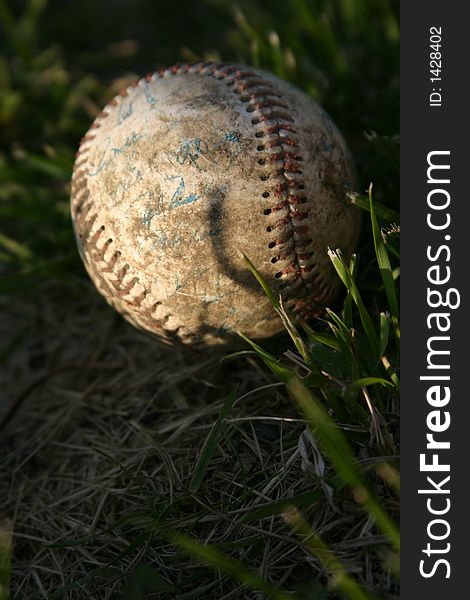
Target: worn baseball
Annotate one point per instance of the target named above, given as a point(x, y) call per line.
point(193, 166)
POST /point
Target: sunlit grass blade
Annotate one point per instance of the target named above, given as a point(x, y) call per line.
point(276, 54)
point(280, 309)
point(337, 448)
point(339, 327)
point(391, 373)
point(344, 336)
point(227, 565)
point(389, 474)
point(367, 381)
point(340, 579)
point(346, 277)
point(245, 26)
point(325, 339)
point(210, 444)
point(273, 298)
point(17, 249)
point(302, 500)
point(269, 360)
point(391, 238)
point(276, 367)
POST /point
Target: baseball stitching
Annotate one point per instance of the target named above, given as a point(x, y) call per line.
point(287, 218)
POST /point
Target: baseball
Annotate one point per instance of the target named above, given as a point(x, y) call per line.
point(189, 168)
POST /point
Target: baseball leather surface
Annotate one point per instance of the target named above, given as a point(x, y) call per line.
point(190, 167)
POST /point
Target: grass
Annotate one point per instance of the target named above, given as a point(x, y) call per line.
point(133, 471)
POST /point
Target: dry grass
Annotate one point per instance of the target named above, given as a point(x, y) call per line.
point(99, 455)
point(101, 428)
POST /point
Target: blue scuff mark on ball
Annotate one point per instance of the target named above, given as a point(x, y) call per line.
point(126, 109)
point(232, 136)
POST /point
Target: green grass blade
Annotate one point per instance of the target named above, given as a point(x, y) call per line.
point(384, 333)
point(347, 307)
point(311, 540)
point(340, 327)
point(47, 166)
point(366, 381)
point(232, 568)
point(280, 309)
point(391, 238)
point(325, 339)
point(391, 373)
point(269, 360)
point(390, 475)
point(346, 277)
point(276, 55)
point(263, 283)
point(337, 448)
point(383, 261)
point(210, 444)
point(276, 367)
point(17, 249)
point(383, 212)
point(341, 332)
point(302, 500)
point(319, 29)
point(245, 27)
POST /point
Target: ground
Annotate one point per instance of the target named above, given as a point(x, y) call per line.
point(129, 467)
